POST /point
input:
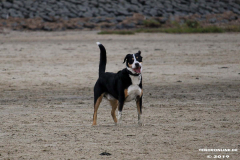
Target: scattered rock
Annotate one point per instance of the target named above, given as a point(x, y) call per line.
point(119, 27)
point(7, 5)
point(213, 20)
point(163, 20)
point(224, 67)
point(129, 25)
point(89, 25)
point(120, 18)
point(105, 154)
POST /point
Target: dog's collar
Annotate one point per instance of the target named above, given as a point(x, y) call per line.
point(136, 74)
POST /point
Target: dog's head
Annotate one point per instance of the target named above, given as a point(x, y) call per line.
point(134, 62)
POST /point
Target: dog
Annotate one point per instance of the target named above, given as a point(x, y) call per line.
point(120, 87)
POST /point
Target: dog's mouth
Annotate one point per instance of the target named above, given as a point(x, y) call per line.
point(137, 70)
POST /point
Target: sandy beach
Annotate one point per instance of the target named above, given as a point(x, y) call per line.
point(191, 96)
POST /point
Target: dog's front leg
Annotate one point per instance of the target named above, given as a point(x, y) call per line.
point(139, 109)
point(121, 99)
point(120, 107)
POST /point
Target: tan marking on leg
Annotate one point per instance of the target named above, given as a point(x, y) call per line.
point(138, 107)
point(114, 104)
point(95, 109)
point(141, 93)
point(126, 93)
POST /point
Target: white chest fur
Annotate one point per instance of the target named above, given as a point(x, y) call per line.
point(136, 79)
point(134, 90)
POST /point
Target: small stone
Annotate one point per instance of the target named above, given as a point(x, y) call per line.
point(129, 25)
point(89, 25)
point(5, 16)
point(105, 154)
point(7, 4)
point(120, 18)
point(213, 20)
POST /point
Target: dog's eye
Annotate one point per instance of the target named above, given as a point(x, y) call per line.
point(137, 57)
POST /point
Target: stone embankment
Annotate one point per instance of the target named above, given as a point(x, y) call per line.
point(112, 14)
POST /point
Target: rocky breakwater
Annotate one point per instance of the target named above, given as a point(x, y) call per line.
point(111, 14)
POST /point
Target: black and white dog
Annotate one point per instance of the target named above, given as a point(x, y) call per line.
point(121, 87)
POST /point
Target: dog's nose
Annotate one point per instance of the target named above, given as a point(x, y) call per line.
point(137, 65)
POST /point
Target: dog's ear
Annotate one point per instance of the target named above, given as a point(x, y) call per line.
point(126, 58)
point(139, 52)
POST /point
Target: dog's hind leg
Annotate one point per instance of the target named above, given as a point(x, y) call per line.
point(98, 95)
point(114, 104)
point(96, 105)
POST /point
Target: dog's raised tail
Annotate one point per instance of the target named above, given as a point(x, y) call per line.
point(103, 58)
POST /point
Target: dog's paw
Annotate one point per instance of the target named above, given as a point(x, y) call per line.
point(119, 124)
point(140, 123)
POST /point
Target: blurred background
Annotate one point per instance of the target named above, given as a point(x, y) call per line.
point(58, 15)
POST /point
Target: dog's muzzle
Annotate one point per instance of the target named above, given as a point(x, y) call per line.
point(137, 68)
